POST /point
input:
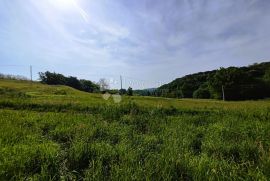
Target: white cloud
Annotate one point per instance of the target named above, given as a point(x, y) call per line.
point(149, 41)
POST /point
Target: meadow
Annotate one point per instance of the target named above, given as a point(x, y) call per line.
point(59, 133)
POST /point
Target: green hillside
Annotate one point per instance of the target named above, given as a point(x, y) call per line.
point(51, 132)
point(239, 83)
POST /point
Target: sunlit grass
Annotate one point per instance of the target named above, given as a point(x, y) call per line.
point(56, 132)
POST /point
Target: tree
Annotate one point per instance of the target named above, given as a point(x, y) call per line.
point(266, 76)
point(184, 87)
point(202, 93)
point(122, 91)
point(52, 78)
point(251, 82)
point(88, 86)
point(73, 82)
point(103, 84)
point(230, 78)
point(238, 83)
point(59, 79)
point(129, 91)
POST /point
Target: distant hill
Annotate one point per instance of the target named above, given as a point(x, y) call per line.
point(239, 83)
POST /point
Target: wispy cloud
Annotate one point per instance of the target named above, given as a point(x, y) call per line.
point(147, 40)
point(81, 11)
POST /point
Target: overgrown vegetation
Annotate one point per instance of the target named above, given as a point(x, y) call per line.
point(58, 133)
point(242, 83)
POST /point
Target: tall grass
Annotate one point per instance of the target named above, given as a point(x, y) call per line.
point(78, 136)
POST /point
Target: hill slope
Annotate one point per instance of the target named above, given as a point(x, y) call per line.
point(252, 82)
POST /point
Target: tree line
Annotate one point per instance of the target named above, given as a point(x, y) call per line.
point(52, 78)
point(234, 83)
point(237, 83)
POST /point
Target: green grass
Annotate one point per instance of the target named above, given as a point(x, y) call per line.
point(58, 133)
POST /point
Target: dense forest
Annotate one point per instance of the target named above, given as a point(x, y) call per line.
point(238, 83)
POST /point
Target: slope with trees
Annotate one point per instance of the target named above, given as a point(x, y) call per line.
point(238, 83)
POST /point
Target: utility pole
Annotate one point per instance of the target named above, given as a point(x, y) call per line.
point(121, 82)
point(31, 73)
point(223, 93)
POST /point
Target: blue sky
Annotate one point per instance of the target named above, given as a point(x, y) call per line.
point(148, 42)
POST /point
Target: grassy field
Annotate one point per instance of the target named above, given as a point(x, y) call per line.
point(59, 133)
